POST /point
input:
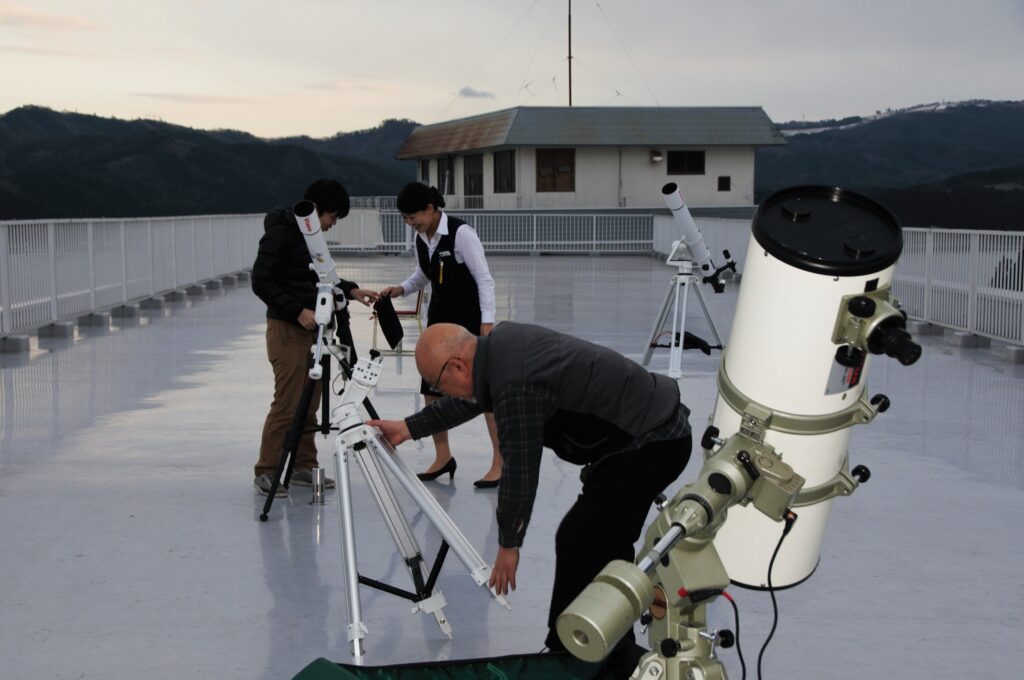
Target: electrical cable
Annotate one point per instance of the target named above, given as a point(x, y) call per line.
point(623, 46)
point(536, 47)
point(790, 519)
point(739, 650)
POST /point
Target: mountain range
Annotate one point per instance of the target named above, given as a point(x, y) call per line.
point(945, 165)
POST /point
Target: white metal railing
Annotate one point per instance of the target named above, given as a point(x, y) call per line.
point(58, 269)
point(969, 280)
point(527, 232)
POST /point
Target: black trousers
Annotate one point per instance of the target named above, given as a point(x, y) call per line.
point(608, 518)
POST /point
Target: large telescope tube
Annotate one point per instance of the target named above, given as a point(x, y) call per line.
point(814, 304)
point(309, 224)
point(688, 228)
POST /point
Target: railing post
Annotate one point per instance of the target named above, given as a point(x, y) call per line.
point(92, 267)
point(51, 248)
point(152, 259)
point(972, 283)
point(174, 254)
point(195, 269)
point(534, 246)
point(124, 262)
point(593, 234)
point(5, 281)
point(929, 249)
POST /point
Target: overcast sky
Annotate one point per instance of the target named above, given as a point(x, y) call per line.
point(319, 67)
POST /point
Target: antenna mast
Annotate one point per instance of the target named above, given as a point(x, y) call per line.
point(570, 52)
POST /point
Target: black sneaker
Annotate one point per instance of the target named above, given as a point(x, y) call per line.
point(264, 482)
point(305, 478)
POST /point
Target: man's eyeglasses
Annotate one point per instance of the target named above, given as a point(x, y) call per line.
point(437, 382)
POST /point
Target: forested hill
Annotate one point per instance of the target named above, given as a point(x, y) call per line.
point(946, 165)
point(74, 165)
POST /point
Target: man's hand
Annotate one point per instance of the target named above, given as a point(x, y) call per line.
point(395, 431)
point(486, 328)
point(392, 291)
point(307, 319)
point(503, 575)
point(365, 295)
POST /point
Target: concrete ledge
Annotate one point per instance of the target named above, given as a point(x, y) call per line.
point(96, 320)
point(1014, 354)
point(175, 296)
point(152, 303)
point(15, 344)
point(213, 285)
point(59, 329)
point(967, 340)
point(196, 291)
point(125, 311)
point(923, 328)
point(229, 281)
point(242, 276)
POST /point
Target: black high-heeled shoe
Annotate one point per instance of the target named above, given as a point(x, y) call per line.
point(486, 483)
point(448, 467)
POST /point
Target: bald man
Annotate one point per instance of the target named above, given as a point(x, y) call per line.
point(590, 405)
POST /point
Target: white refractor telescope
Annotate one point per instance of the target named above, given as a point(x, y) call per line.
point(814, 305)
point(328, 299)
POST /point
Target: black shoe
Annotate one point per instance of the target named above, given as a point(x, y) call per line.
point(486, 483)
point(448, 467)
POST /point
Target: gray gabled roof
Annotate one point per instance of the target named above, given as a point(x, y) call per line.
point(595, 126)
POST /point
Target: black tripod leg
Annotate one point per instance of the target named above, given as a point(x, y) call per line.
point(325, 402)
point(291, 444)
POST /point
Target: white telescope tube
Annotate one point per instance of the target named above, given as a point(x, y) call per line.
point(691, 234)
point(309, 224)
point(811, 248)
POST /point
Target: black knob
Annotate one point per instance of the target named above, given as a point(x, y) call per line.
point(710, 435)
point(727, 255)
point(669, 648)
point(646, 618)
point(849, 356)
point(726, 639)
point(862, 473)
point(660, 499)
point(861, 306)
point(374, 354)
point(882, 402)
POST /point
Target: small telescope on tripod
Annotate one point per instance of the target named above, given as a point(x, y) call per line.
point(815, 305)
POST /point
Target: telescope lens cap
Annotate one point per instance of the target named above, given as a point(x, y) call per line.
point(828, 230)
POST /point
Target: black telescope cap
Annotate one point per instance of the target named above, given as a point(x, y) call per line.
point(828, 230)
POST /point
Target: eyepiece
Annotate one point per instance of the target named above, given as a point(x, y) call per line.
point(892, 340)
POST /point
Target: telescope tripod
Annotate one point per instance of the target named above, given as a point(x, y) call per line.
point(375, 455)
point(675, 303)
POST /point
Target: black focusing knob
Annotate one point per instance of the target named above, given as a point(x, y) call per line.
point(710, 438)
point(669, 648)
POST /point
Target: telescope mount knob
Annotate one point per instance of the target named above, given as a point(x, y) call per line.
point(726, 639)
point(659, 501)
point(881, 401)
point(710, 439)
point(861, 307)
point(669, 648)
point(862, 473)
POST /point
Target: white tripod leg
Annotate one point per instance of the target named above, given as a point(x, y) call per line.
point(356, 627)
point(456, 540)
point(659, 323)
point(402, 535)
point(675, 362)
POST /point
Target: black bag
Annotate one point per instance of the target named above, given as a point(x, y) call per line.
point(388, 320)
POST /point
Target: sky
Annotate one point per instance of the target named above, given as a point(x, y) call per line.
point(319, 67)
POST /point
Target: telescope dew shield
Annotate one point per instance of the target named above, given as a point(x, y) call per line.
point(690, 232)
point(309, 224)
point(812, 249)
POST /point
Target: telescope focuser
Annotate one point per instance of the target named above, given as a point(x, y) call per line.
point(873, 322)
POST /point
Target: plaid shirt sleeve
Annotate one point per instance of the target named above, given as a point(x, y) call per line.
point(520, 412)
point(441, 415)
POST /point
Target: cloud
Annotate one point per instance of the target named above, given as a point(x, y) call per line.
point(181, 98)
point(23, 17)
point(52, 52)
point(468, 91)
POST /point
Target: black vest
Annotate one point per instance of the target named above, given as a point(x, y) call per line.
point(453, 293)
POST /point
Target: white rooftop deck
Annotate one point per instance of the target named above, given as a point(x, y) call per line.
point(130, 545)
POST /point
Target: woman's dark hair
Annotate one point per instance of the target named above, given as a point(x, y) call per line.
point(415, 196)
point(329, 196)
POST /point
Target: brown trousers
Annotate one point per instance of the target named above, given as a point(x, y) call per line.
point(288, 350)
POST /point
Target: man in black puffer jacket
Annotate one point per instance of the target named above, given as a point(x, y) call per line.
point(281, 277)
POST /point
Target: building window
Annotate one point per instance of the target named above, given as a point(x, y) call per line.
point(473, 181)
point(425, 171)
point(725, 183)
point(445, 181)
point(556, 170)
point(505, 172)
point(686, 162)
